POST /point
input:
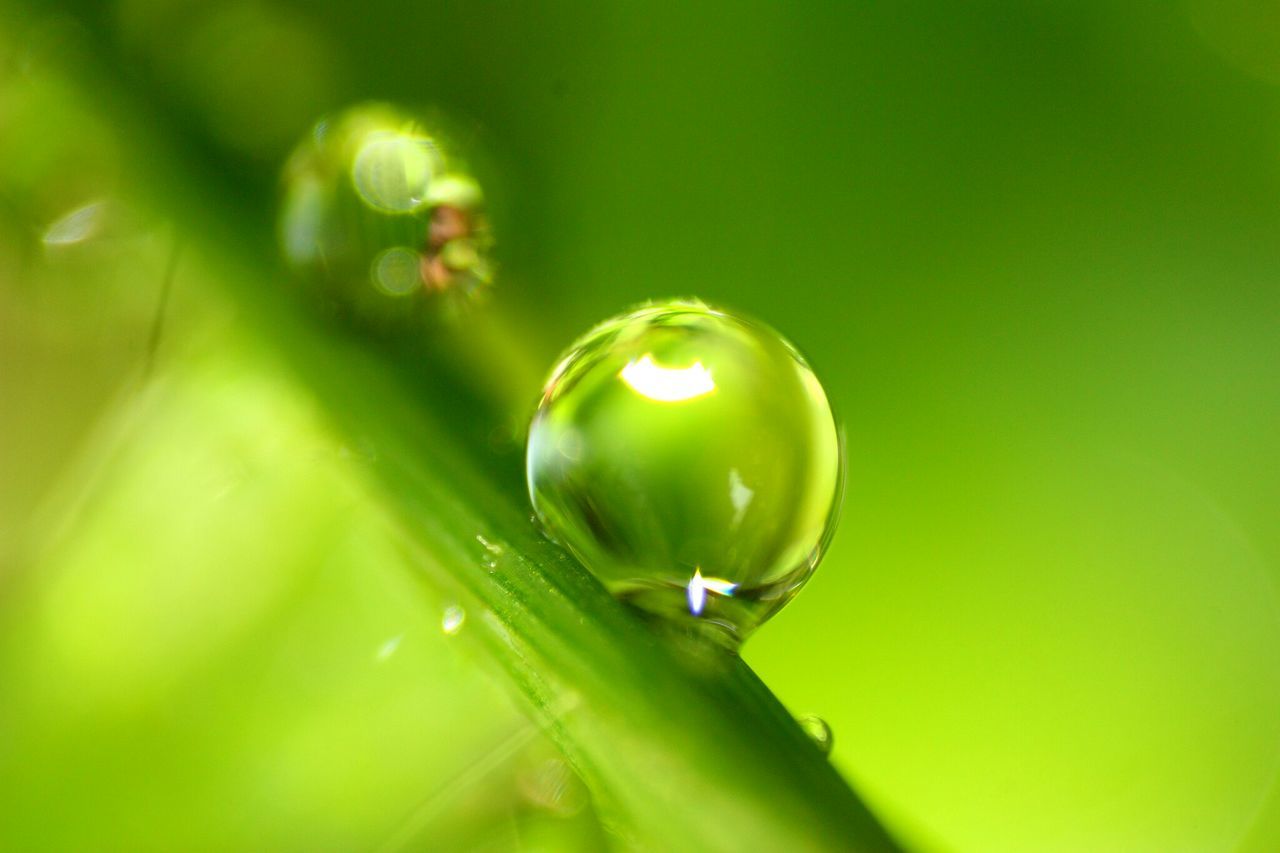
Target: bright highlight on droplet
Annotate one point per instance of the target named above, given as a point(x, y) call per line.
point(453, 619)
point(392, 171)
point(667, 384)
point(740, 496)
point(699, 586)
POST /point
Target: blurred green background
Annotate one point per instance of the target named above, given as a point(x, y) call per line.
point(1031, 248)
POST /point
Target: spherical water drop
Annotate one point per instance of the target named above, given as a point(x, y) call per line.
point(818, 731)
point(380, 215)
point(690, 459)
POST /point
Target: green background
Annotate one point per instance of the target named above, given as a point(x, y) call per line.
point(1029, 247)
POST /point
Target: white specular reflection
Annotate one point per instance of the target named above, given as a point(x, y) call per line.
point(667, 384)
point(699, 586)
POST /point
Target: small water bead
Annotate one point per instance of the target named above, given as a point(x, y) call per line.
point(453, 619)
point(819, 731)
point(77, 226)
point(691, 460)
point(491, 554)
point(388, 648)
point(380, 215)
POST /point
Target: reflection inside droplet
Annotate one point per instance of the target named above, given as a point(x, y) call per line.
point(698, 587)
point(667, 384)
point(739, 495)
point(453, 619)
point(570, 445)
point(397, 271)
point(392, 172)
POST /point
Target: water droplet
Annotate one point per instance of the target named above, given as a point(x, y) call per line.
point(104, 222)
point(739, 495)
point(690, 459)
point(818, 731)
point(388, 648)
point(453, 619)
point(76, 226)
point(491, 554)
point(380, 212)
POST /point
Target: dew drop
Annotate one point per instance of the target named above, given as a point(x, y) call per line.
point(690, 459)
point(452, 620)
point(492, 552)
point(387, 649)
point(818, 731)
point(381, 215)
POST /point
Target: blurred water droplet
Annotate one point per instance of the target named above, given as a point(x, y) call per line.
point(388, 648)
point(380, 212)
point(691, 460)
point(818, 731)
point(552, 785)
point(453, 619)
point(76, 226)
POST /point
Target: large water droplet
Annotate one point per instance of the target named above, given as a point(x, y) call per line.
point(380, 215)
point(690, 459)
point(818, 730)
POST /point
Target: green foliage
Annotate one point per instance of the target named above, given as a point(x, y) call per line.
point(1028, 248)
point(681, 746)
